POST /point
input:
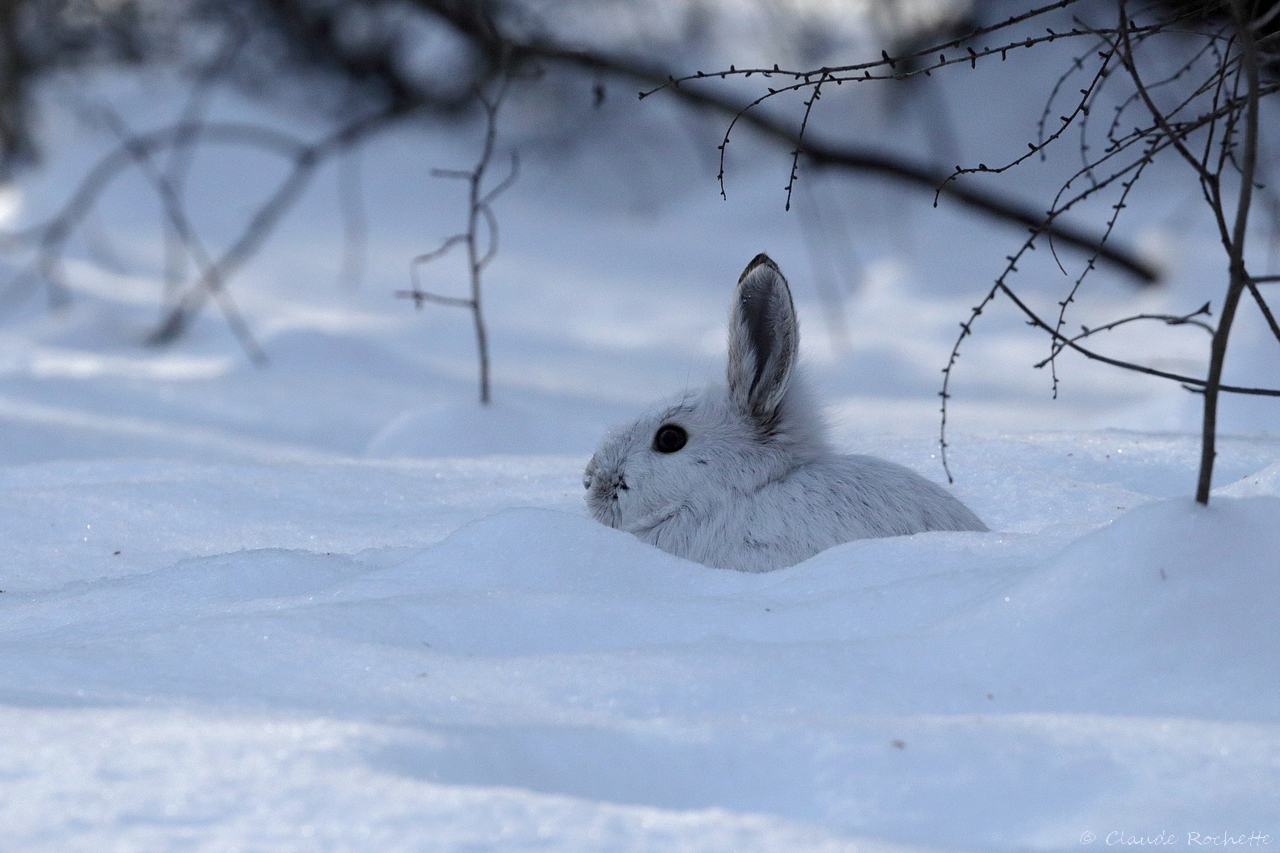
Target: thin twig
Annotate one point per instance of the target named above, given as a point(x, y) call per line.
point(479, 213)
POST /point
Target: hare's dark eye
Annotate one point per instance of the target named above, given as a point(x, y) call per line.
point(669, 438)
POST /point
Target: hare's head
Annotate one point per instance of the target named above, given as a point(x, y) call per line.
point(684, 462)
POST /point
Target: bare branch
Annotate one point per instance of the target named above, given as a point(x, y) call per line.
point(855, 158)
point(1264, 308)
point(1167, 319)
point(1192, 381)
point(479, 212)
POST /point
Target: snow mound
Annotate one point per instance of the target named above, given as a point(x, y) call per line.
point(531, 678)
point(1265, 482)
point(1171, 608)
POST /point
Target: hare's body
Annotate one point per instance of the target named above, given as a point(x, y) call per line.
point(741, 477)
point(822, 504)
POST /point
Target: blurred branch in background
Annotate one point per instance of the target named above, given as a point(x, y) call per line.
point(387, 63)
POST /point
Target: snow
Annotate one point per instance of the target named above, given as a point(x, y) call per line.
point(333, 604)
point(449, 654)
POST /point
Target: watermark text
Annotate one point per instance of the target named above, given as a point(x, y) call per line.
point(1165, 838)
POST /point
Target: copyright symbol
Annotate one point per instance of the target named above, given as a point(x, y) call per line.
point(1087, 838)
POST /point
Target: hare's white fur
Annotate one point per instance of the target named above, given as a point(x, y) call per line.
point(755, 486)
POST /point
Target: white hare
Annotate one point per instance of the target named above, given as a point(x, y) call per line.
point(742, 477)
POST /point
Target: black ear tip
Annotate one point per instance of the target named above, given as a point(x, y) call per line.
point(759, 260)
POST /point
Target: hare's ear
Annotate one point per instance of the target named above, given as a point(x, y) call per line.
point(763, 341)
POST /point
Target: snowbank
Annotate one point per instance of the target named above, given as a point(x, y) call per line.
point(366, 655)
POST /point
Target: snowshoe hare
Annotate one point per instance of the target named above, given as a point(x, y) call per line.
point(741, 477)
